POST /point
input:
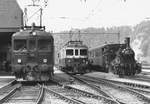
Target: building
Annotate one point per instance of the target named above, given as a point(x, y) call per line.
point(11, 19)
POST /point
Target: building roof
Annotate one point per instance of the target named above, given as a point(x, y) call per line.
point(11, 16)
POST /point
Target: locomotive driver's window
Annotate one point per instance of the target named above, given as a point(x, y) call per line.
point(44, 44)
point(32, 45)
point(83, 52)
point(20, 45)
point(69, 52)
point(76, 52)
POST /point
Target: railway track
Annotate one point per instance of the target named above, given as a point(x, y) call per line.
point(126, 83)
point(64, 92)
point(8, 88)
point(23, 94)
point(126, 95)
point(4, 81)
point(77, 96)
point(145, 92)
point(86, 88)
point(136, 87)
point(141, 78)
point(16, 93)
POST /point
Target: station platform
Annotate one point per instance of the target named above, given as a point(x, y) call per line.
point(9, 77)
point(57, 71)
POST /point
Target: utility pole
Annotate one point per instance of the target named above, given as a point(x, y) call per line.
point(70, 35)
point(41, 13)
point(119, 37)
point(79, 36)
point(25, 17)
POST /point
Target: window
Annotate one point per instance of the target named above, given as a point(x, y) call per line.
point(32, 45)
point(20, 45)
point(83, 51)
point(76, 52)
point(44, 44)
point(69, 52)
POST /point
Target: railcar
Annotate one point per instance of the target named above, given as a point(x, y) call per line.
point(116, 58)
point(73, 57)
point(32, 54)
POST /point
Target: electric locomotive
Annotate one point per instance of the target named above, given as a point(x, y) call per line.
point(73, 57)
point(116, 58)
point(32, 55)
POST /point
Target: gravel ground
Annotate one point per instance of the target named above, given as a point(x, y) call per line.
point(78, 96)
point(122, 95)
point(119, 94)
point(84, 88)
point(50, 99)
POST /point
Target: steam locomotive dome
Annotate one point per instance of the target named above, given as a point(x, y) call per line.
point(128, 51)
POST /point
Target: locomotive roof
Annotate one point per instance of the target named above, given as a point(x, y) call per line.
point(105, 45)
point(75, 44)
point(27, 33)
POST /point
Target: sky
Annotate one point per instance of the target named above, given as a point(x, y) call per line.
point(60, 15)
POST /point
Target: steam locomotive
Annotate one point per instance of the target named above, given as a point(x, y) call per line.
point(73, 58)
point(116, 58)
point(32, 54)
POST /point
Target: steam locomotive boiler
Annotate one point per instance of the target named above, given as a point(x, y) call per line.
point(116, 58)
point(124, 62)
point(32, 55)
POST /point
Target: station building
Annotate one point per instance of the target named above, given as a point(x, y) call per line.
point(11, 19)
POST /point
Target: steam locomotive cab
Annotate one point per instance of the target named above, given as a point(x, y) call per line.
point(109, 54)
point(32, 55)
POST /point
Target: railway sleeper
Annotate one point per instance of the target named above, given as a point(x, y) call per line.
point(139, 95)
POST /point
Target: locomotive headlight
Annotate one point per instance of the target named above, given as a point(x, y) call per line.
point(19, 61)
point(69, 60)
point(44, 60)
point(34, 33)
point(84, 61)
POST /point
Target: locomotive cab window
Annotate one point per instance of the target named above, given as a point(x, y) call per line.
point(32, 44)
point(76, 52)
point(83, 52)
point(44, 44)
point(69, 52)
point(20, 45)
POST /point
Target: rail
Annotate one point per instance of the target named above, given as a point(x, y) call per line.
point(108, 83)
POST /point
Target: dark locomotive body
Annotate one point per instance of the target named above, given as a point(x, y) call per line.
point(73, 58)
point(116, 58)
point(32, 55)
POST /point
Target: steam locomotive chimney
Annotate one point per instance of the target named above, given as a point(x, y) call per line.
point(127, 41)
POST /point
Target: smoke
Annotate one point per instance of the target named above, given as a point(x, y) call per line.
point(141, 46)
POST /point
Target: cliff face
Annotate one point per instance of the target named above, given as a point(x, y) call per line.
point(141, 45)
point(141, 42)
